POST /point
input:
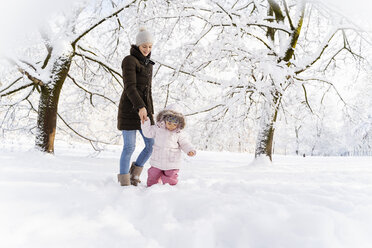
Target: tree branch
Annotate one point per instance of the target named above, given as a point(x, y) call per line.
point(185, 72)
point(204, 111)
point(288, 16)
point(49, 55)
point(100, 22)
point(16, 90)
point(265, 25)
point(319, 55)
point(108, 68)
point(323, 81)
point(306, 99)
point(89, 92)
point(33, 78)
point(294, 37)
point(263, 42)
point(276, 8)
point(225, 11)
point(10, 85)
point(91, 141)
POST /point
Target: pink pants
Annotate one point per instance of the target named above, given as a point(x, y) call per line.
point(156, 175)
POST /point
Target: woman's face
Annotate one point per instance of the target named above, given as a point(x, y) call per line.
point(145, 48)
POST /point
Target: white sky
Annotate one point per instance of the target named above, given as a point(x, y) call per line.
point(19, 18)
point(357, 10)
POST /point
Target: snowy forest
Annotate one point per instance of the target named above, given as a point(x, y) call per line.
point(259, 76)
point(277, 97)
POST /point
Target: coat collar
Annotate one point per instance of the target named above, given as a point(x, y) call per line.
point(134, 51)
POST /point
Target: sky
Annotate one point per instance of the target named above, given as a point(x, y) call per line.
point(357, 10)
point(20, 18)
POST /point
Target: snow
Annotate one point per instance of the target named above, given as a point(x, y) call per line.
point(72, 199)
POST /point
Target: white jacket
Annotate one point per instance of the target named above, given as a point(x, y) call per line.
point(166, 154)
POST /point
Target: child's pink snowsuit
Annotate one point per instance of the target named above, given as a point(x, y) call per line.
point(166, 157)
point(156, 175)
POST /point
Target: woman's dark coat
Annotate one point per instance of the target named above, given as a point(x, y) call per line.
point(137, 74)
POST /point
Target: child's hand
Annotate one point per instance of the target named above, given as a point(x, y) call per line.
point(192, 153)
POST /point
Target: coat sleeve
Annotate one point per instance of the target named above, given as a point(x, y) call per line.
point(185, 144)
point(130, 82)
point(148, 130)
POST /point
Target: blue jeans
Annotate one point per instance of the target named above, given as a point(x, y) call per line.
point(129, 137)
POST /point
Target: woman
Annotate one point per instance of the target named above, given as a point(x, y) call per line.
point(135, 107)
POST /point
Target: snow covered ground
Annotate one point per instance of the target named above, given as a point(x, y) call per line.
point(72, 199)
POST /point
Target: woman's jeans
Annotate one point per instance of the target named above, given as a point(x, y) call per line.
point(129, 137)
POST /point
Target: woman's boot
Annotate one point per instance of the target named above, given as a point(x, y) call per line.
point(135, 172)
point(124, 179)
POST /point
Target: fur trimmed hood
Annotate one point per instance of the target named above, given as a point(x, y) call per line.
point(168, 112)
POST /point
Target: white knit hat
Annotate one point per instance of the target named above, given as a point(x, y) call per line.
point(143, 36)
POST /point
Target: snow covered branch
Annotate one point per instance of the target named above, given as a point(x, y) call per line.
point(100, 22)
point(112, 71)
point(91, 94)
point(91, 141)
point(15, 90)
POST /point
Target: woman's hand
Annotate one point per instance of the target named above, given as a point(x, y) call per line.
point(143, 114)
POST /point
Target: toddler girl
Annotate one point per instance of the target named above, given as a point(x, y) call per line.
point(169, 140)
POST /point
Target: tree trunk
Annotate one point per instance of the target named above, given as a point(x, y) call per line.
point(264, 144)
point(48, 105)
point(297, 131)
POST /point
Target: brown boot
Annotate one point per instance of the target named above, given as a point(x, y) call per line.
point(135, 172)
point(124, 179)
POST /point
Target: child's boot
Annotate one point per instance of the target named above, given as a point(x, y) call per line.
point(135, 172)
point(124, 179)
point(170, 176)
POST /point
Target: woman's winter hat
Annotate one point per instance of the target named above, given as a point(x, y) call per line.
point(143, 36)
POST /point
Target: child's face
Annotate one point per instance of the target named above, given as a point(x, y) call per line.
point(170, 125)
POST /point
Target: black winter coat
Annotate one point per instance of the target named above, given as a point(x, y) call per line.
point(137, 75)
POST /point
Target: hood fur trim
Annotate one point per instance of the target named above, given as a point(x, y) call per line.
point(181, 118)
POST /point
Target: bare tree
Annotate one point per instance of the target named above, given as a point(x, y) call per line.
point(64, 46)
point(251, 54)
